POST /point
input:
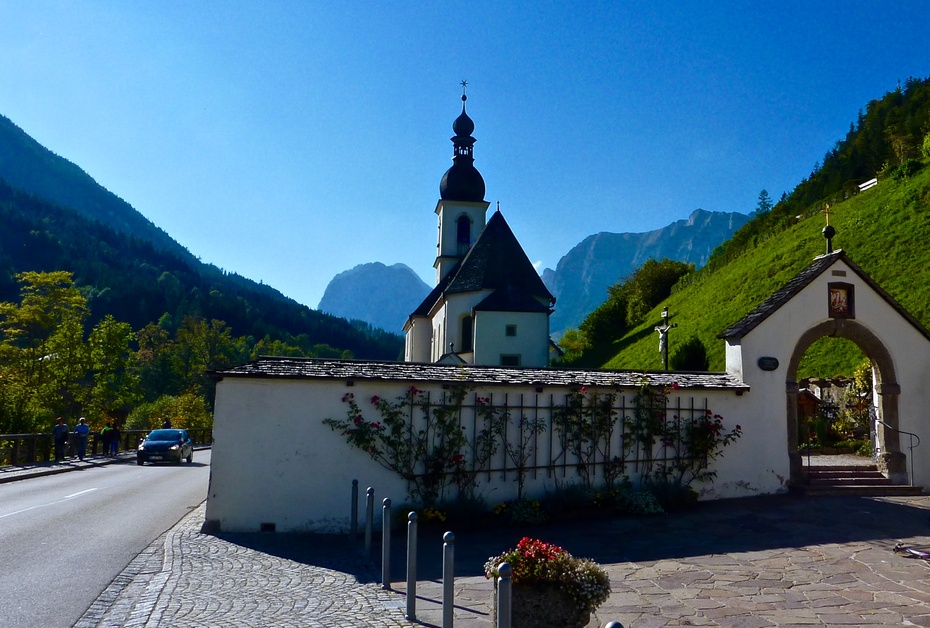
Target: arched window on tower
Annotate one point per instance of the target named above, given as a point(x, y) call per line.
point(468, 326)
point(463, 235)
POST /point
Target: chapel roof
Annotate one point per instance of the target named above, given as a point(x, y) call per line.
point(800, 281)
point(289, 368)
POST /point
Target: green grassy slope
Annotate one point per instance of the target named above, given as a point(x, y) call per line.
point(885, 230)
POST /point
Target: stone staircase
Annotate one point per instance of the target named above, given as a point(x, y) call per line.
point(859, 480)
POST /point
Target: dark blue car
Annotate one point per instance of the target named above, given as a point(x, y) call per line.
point(165, 446)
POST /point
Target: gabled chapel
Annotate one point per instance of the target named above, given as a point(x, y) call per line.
point(489, 305)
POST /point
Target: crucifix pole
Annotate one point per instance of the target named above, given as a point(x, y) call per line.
point(663, 329)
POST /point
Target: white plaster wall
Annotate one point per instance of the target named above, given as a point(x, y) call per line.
point(449, 212)
point(531, 342)
point(418, 340)
point(777, 336)
point(274, 461)
point(457, 307)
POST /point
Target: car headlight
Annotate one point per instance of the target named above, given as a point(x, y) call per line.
point(141, 447)
point(175, 447)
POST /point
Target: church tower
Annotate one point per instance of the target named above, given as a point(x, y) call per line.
point(489, 305)
point(462, 209)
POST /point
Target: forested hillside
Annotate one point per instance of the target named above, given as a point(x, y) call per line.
point(104, 315)
point(884, 230)
point(129, 279)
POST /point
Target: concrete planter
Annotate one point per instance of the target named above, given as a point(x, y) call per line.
point(542, 606)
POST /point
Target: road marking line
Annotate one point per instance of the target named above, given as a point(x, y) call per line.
point(90, 490)
point(58, 501)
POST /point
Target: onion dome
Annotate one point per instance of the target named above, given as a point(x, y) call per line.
point(462, 182)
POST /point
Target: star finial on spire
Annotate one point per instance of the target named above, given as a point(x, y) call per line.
point(464, 86)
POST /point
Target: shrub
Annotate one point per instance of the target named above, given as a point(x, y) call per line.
point(690, 356)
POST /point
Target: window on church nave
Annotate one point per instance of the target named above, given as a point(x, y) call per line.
point(510, 330)
point(467, 333)
point(510, 360)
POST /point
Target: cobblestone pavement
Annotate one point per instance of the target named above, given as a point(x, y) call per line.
point(766, 561)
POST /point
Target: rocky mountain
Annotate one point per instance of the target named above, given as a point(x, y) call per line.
point(582, 276)
point(374, 293)
point(384, 296)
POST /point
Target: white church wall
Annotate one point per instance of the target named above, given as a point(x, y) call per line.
point(276, 462)
point(531, 341)
point(457, 307)
point(417, 340)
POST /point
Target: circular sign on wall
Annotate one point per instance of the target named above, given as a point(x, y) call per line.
point(768, 363)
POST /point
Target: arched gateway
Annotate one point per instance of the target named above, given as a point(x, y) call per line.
point(833, 297)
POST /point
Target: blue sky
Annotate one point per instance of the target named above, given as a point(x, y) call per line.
point(290, 141)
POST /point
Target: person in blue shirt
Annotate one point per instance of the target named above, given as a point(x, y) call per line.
point(60, 437)
point(82, 429)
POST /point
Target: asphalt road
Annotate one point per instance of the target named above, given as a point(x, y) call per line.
point(63, 538)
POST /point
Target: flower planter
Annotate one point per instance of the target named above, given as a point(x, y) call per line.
point(542, 606)
point(550, 588)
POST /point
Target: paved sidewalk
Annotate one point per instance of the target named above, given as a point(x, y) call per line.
point(12, 473)
point(766, 561)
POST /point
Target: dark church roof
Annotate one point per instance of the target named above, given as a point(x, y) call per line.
point(495, 262)
point(462, 182)
point(801, 281)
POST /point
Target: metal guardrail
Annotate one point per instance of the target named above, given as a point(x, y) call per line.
point(19, 449)
point(910, 448)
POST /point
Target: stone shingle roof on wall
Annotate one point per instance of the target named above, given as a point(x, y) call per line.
point(322, 369)
point(801, 281)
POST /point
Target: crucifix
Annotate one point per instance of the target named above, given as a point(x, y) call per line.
point(663, 336)
point(828, 231)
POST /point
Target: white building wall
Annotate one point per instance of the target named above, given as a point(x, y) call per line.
point(447, 243)
point(531, 342)
point(275, 462)
point(778, 335)
point(418, 340)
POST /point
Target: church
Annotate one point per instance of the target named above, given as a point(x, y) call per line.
point(489, 305)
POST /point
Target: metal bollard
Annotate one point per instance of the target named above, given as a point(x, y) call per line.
point(369, 519)
point(503, 595)
point(448, 579)
point(412, 566)
point(353, 524)
point(386, 543)
point(614, 624)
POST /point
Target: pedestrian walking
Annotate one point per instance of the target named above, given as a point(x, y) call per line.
point(60, 438)
point(114, 442)
point(106, 435)
point(82, 430)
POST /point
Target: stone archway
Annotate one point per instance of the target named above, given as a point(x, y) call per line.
point(891, 460)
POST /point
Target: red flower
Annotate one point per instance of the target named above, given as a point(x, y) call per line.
point(375, 399)
point(458, 459)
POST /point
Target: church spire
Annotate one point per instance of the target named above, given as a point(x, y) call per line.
point(462, 182)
